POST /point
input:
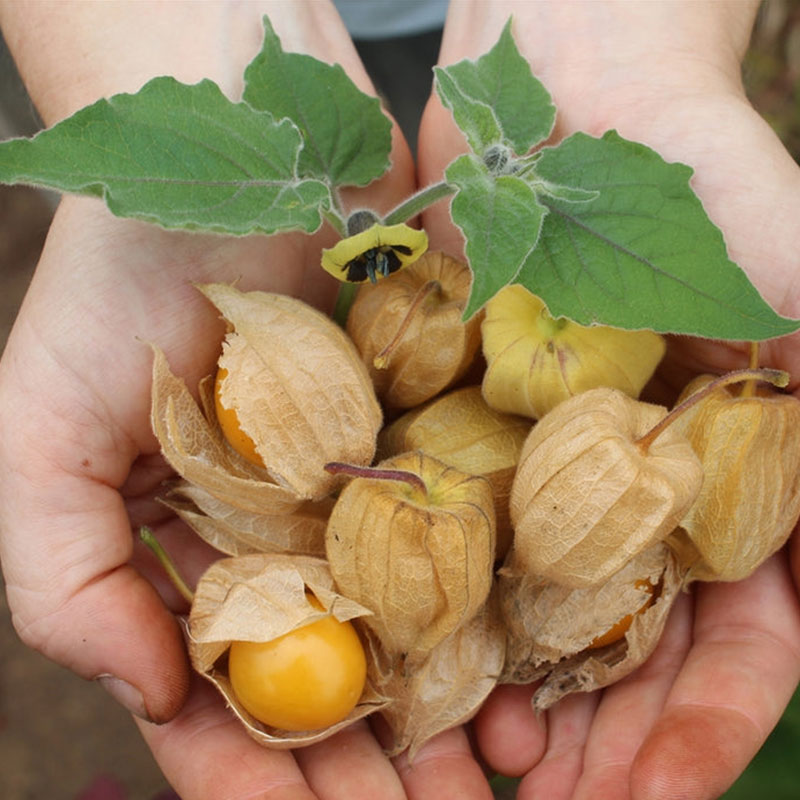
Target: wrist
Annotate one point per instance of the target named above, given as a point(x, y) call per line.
point(72, 53)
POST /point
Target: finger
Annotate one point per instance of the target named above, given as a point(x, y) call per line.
point(444, 767)
point(510, 735)
point(350, 766)
point(568, 725)
point(629, 709)
point(737, 680)
point(206, 754)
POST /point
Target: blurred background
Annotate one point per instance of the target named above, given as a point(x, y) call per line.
point(64, 739)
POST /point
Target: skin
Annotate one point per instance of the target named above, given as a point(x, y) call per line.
point(80, 466)
point(698, 710)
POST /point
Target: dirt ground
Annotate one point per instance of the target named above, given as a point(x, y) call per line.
point(64, 739)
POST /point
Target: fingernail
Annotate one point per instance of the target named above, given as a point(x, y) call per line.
point(127, 696)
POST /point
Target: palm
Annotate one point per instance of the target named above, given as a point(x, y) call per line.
point(688, 721)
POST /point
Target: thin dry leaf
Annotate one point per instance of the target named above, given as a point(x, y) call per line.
point(446, 689)
point(197, 451)
point(435, 347)
point(421, 562)
point(258, 598)
point(237, 532)
point(298, 386)
point(586, 498)
point(750, 500)
point(460, 429)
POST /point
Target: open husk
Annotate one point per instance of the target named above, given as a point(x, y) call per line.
point(237, 532)
point(443, 690)
point(416, 314)
point(421, 561)
point(259, 598)
point(535, 361)
point(550, 627)
point(460, 429)
point(298, 386)
point(586, 498)
point(749, 445)
point(195, 448)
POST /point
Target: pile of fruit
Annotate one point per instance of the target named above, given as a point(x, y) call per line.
point(418, 508)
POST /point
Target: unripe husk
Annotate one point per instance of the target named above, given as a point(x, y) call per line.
point(300, 392)
point(550, 627)
point(749, 445)
point(420, 561)
point(443, 690)
point(258, 598)
point(460, 429)
point(534, 361)
point(432, 347)
point(237, 532)
point(587, 498)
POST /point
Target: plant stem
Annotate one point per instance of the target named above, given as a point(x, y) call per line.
point(148, 537)
point(776, 377)
point(418, 202)
point(335, 220)
point(749, 389)
point(357, 471)
point(347, 293)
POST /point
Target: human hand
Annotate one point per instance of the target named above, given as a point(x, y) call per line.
point(81, 467)
point(688, 721)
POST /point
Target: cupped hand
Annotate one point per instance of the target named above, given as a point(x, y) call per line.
point(80, 467)
point(688, 721)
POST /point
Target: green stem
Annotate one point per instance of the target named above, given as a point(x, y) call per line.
point(418, 202)
point(345, 298)
point(335, 220)
point(148, 537)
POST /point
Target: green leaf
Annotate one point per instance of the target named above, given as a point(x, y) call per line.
point(500, 219)
point(474, 118)
point(346, 136)
point(643, 253)
point(502, 80)
point(177, 155)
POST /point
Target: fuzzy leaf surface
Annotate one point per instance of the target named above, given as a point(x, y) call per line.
point(177, 155)
point(643, 253)
point(346, 136)
point(502, 80)
point(500, 218)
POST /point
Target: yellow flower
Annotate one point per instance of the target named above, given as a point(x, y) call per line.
point(374, 253)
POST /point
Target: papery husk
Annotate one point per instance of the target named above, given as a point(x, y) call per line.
point(750, 501)
point(259, 598)
point(196, 449)
point(443, 690)
point(237, 532)
point(460, 429)
point(298, 386)
point(534, 362)
point(586, 669)
point(421, 563)
point(586, 499)
point(437, 347)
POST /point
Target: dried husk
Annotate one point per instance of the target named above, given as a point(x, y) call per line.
point(586, 498)
point(422, 563)
point(460, 429)
point(259, 598)
point(436, 348)
point(196, 449)
point(237, 532)
point(749, 505)
point(445, 689)
point(534, 362)
point(541, 618)
point(298, 386)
